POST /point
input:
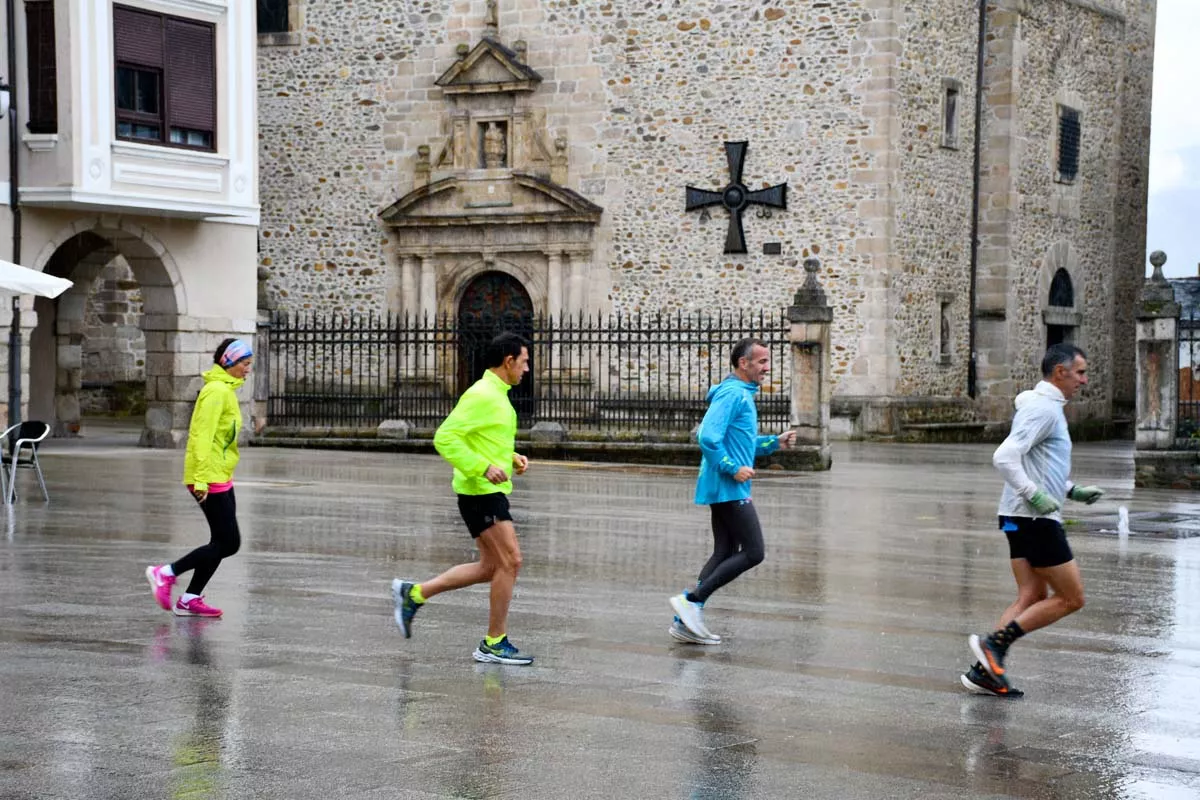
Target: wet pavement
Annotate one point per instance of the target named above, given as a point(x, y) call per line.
point(838, 676)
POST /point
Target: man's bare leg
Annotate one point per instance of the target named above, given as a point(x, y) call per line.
point(457, 577)
point(1067, 584)
point(499, 547)
point(1030, 589)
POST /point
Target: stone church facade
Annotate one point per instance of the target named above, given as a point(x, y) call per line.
point(409, 151)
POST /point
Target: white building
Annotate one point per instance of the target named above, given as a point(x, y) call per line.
point(136, 145)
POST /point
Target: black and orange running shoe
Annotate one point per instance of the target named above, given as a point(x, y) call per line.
point(978, 681)
point(990, 653)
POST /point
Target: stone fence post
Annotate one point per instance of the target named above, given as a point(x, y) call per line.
point(262, 372)
point(262, 355)
point(1157, 361)
point(810, 317)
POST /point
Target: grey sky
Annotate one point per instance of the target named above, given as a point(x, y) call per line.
point(1174, 224)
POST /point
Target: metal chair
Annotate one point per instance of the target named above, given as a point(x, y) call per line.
point(31, 433)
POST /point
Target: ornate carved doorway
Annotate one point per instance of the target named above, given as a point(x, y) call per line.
point(494, 302)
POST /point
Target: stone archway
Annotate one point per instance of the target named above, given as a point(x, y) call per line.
point(80, 253)
point(491, 302)
point(1060, 313)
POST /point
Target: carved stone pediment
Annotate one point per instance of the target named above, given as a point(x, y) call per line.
point(489, 68)
point(520, 198)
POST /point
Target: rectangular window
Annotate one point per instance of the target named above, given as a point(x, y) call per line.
point(272, 16)
point(139, 114)
point(1069, 137)
point(166, 85)
point(950, 94)
point(43, 70)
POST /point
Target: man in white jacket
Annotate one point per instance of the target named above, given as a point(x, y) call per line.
point(1035, 461)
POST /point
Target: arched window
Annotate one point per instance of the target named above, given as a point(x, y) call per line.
point(1062, 293)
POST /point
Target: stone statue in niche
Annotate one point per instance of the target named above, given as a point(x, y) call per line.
point(494, 148)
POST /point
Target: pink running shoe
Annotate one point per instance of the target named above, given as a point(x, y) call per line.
point(161, 585)
point(195, 608)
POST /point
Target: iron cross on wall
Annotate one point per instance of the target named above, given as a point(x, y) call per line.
point(736, 197)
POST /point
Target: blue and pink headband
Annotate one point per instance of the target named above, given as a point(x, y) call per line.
point(235, 352)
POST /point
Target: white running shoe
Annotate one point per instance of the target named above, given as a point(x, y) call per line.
point(691, 615)
point(682, 634)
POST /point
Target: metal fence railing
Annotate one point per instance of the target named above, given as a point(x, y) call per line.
point(639, 373)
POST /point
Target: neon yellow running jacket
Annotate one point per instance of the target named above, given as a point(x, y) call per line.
point(480, 431)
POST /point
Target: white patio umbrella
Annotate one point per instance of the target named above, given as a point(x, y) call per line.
point(15, 279)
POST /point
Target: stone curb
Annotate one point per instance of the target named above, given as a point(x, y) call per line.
point(620, 452)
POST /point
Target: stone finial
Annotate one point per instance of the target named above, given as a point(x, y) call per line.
point(810, 303)
point(1158, 296)
point(423, 168)
point(462, 49)
point(491, 21)
point(521, 48)
point(811, 293)
point(265, 301)
point(558, 161)
point(1157, 259)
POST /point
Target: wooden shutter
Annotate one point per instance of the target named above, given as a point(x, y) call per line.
point(43, 71)
point(191, 75)
point(138, 37)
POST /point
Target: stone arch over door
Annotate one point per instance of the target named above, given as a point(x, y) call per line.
point(1059, 291)
point(490, 302)
point(79, 253)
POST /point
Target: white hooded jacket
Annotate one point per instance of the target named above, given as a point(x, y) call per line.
point(1037, 453)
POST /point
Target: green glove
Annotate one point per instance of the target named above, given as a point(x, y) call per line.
point(1086, 494)
point(1043, 503)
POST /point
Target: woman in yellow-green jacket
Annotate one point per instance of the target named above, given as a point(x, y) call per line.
point(212, 455)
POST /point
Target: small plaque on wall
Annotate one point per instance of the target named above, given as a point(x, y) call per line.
point(772, 248)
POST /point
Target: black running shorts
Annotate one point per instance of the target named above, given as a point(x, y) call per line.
point(1041, 542)
point(482, 511)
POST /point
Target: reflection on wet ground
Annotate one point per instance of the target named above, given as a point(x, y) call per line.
point(837, 677)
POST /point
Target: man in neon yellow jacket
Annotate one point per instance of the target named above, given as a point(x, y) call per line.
point(479, 440)
point(212, 456)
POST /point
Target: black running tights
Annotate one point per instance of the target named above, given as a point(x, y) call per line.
point(220, 510)
point(737, 546)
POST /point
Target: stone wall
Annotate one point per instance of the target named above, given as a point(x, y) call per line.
point(1167, 469)
point(1132, 185)
point(842, 101)
point(1073, 53)
point(933, 227)
point(114, 347)
point(1074, 56)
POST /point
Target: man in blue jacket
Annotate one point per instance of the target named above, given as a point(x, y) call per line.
point(730, 443)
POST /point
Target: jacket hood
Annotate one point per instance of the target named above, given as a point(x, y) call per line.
point(217, 374)
point(1044, 390)
point(732, 383)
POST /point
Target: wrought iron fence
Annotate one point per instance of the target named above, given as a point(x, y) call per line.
point(1189, 377)
point(639, 373)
